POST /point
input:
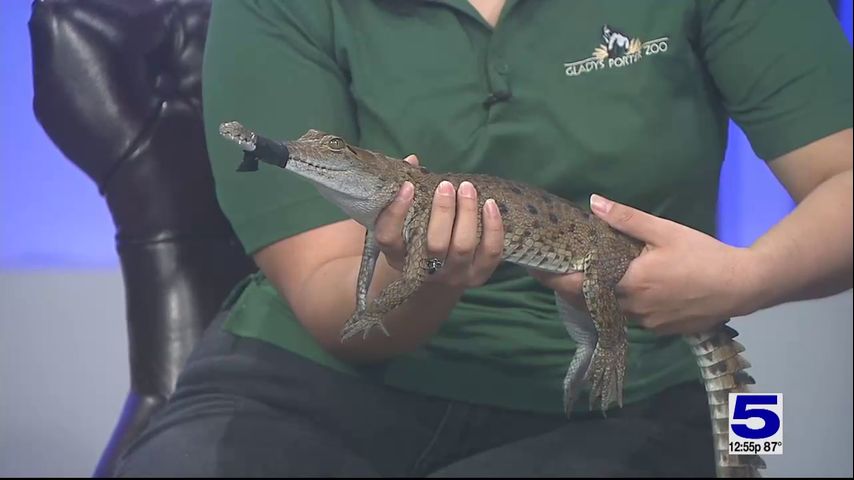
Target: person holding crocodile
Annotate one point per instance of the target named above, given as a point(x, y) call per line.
point(468, 380)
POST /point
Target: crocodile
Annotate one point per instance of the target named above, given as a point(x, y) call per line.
point(541, 231)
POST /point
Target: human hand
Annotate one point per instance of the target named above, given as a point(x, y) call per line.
point(451, 234)
point(683, 282)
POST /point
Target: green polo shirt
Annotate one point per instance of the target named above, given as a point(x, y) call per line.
point(626, 99)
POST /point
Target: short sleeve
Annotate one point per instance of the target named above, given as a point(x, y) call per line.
point(271, 66)
point(783, 69)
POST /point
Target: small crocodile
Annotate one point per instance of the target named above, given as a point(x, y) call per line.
point(542, 231)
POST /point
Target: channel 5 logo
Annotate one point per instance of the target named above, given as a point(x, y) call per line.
point(755, 423)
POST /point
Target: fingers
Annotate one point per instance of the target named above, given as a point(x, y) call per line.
point(464, 239)
point(453, 236)
point(441, 222)
point(452, 233)
point(488, 253)
point(631, 221)
point(388, 229)
point(568, 283)
point(569, 286)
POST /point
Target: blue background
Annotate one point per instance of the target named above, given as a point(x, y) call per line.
point(52, 217)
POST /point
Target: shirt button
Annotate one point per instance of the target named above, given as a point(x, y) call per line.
point(498, 96)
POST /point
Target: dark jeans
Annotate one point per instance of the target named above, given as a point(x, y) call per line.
point(245, 408)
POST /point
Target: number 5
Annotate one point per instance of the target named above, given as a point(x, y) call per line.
point(741, 412)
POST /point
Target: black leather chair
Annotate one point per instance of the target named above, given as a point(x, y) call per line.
point(117, 87)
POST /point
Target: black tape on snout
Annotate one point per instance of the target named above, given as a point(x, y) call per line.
point(249, 163)
point(267, 151)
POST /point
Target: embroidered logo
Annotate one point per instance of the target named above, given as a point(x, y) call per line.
point(618, 50)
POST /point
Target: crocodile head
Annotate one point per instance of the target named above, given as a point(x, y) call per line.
point(359, 181)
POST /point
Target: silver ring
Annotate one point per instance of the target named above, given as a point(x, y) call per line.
point(433, 265)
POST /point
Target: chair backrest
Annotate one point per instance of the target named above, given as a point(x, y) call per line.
point(117, 87)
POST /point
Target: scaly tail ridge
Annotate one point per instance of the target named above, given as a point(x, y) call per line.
point(722, 367)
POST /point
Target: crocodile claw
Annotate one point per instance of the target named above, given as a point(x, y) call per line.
point(362, 323)
point(606, 373)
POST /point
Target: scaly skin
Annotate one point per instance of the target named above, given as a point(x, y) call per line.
point(723, 369)
point(542, 231)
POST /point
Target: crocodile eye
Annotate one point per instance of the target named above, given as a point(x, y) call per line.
point(336, 143)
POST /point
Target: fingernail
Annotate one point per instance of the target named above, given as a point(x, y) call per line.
point(467, 190)
point(405, 193)
point(600, 204)
point(446, 189)
point(491, 208)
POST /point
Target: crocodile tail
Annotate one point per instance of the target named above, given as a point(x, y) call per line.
point(723, 368)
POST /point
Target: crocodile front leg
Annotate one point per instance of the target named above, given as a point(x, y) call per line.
point(366, 271)
point(397, 292)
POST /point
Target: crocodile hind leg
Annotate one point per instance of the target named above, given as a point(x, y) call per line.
point(603, 268)
point(583, 331)
point(723, 369)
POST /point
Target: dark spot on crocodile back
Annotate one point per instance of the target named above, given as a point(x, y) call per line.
point(532, 209)
point(552, 218)
point(502, 208)
point(516, 190)
point(547, 198)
